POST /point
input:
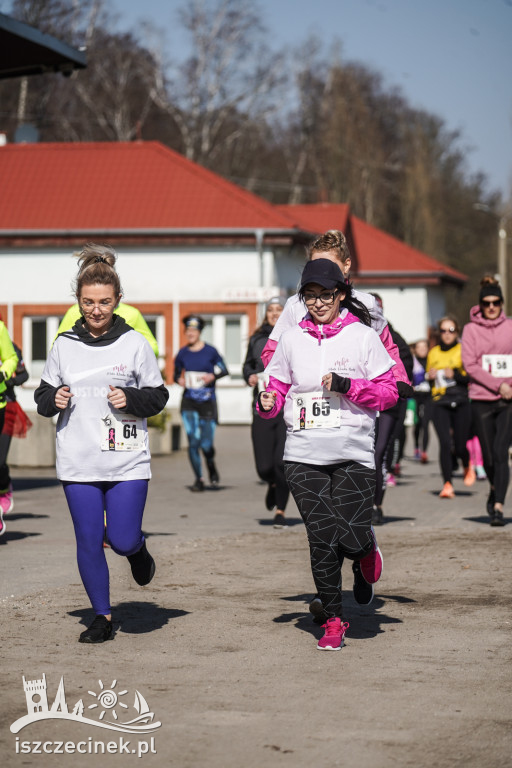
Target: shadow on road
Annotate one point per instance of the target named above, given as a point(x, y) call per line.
point(135, 617)
point(15, 536)
point(363, 619)
point(290, 521)
point(29, 483)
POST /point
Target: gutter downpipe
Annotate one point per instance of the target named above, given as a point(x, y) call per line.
point(259, 234)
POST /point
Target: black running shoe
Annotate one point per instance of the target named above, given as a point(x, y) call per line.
point(142, 565)
point(363, 592)
point(497, 519)
point(270, 498)
point(212, 472)
point(377, 516)
point(280, 521)
point(198, 486)
point(316, 609)
point(100, 630)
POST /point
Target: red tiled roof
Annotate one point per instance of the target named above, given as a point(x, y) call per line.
point(378, 252)
point(319, 217)
point(375, 252)
point(119, 185)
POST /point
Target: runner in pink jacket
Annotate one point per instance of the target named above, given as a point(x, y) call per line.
point(487, 357)
point(331, 374)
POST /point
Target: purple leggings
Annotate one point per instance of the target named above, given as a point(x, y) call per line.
point(124, 503)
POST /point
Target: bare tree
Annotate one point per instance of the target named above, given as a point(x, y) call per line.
point(230, 77)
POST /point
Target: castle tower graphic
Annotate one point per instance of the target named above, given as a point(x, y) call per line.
point(35, 693)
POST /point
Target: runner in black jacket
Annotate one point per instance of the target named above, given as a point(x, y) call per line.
point(268, 437)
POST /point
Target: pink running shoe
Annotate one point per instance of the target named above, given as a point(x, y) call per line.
point(334, 633)
point(391, 481)
point(6, 502)
point(372, 564)
point(2, 524)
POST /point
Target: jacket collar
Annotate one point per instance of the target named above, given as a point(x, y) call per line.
point(327, 331)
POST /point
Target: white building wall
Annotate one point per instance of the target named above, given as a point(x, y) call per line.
point(410, 309)
point(46, 276)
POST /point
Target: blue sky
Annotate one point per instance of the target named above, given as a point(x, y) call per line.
point(450, 57)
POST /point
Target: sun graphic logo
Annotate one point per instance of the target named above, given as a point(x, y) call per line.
point(107, 705)
point(108, 699)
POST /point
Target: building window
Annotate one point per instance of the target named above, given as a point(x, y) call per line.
point(156, 324)
point(38, 336)
point(229, 335)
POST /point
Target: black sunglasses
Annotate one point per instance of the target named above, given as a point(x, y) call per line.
point(448, 330)
point(491, 303)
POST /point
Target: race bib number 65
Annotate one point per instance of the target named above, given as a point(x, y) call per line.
point(312, 410)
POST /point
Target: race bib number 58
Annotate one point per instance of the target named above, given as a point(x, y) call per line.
point(312, 410)
point(497, 365)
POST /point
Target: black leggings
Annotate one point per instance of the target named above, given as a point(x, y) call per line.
point(336, 503)
point(268, 439)
point(5, 442)
point(446, 421)
point(384, 426)
point(423, 410)
point(493, 426)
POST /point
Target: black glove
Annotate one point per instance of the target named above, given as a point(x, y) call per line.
point(2, 376)
point(404, 389)
point(340, 384)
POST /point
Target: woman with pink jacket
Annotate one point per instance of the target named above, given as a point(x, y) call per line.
point(487, 357)
point(330, 373)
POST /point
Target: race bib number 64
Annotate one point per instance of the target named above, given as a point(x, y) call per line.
point(122, 432)
point(313, 410)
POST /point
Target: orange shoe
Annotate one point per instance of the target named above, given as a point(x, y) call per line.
point(447, 492)
point(469, 475)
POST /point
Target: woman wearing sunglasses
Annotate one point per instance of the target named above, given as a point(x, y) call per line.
point(451, 414)
point(331, 374)
point(487, 356)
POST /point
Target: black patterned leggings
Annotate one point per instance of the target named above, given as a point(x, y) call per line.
point(335, 503)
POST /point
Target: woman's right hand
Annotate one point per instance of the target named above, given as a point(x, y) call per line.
point(252, 380)
point(431, 374)
point(62, 397)
point(267, 400)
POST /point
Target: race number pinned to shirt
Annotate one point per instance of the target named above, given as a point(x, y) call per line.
point(442, 382)
point(121, 432)
point(194, 379)
point(497, 365)
point(312, 410)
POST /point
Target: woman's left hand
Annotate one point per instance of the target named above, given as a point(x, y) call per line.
point(327, 381)
point(116, 397)
point(208, 378)
point(505, 391)
point(448, 372)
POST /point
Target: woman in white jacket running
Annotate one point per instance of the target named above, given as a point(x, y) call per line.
point(331, 374)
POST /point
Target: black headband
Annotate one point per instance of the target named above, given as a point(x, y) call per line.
point(490, 289)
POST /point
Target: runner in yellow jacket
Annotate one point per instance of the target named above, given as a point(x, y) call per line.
point(8, 364)
point(130, 314)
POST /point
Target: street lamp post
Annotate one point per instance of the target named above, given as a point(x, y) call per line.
point(502, 259)
point(502, 249)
